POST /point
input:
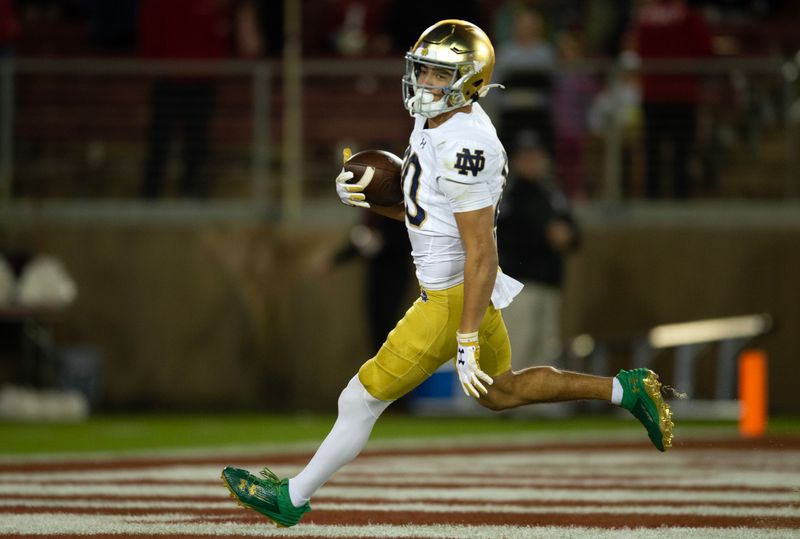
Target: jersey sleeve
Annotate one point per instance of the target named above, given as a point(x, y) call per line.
point(467, 170)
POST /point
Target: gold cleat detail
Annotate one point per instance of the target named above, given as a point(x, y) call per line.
point(241, 504)
point(653, 388)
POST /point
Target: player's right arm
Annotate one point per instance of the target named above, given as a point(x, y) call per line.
point(396, 212)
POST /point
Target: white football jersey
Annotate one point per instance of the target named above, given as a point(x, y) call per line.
point(457, 167)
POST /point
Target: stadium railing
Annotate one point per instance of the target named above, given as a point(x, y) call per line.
point(73, 135)
point(685, 350)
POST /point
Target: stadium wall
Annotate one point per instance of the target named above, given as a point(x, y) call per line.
point(238, 317)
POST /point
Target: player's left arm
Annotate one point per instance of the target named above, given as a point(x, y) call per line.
point(467, 182)
point(470, 183)
point(480, 271)
point(480, 267)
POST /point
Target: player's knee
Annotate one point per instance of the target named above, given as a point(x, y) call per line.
point(355, 401)
point(348, 400)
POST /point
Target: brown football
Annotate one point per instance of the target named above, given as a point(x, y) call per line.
point(385, 188)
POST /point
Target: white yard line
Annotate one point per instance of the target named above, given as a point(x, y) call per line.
point(697, 509)
point(525, 481)
point(56, 523)
point(481, 494)
point(522, 464)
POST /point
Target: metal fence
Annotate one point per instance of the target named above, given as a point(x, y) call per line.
point(83, 138)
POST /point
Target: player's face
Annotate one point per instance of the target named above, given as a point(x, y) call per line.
point(436, 78)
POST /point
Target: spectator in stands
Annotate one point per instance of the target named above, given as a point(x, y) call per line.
point(606, 23)
point(383, 244)
point(189, 30)
point(670, 29)
point(270, 24)
point(405, 24)
point(357, 27)
point(617, 107)
point(524, 66)
point(9, 27)
point(112, 25)
point(573, 92)
point(536, 230)
point(9, 30)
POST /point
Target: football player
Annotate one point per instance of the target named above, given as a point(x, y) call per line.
point(453, 175)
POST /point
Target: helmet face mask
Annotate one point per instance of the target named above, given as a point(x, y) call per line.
point(458, 47)
point(427, 100)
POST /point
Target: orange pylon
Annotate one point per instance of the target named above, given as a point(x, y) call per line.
point(753, 393)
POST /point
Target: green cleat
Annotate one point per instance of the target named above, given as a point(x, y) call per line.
point(269, 496)
point(641, 396)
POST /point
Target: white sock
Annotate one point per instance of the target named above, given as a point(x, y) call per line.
point(358, 411)
point(616, 392)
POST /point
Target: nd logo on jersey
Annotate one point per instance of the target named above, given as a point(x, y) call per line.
point(466, 161)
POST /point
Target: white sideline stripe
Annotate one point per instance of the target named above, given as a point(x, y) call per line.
point(119, 504)
point(591, 460)
point(554, 494)
point(399, 493)
point(52, 524)
point(733, 481)
point(702, 510)
point(356, 473)
point(571, 462)
point(699, 509)
point(163, 473)
point(645, 467)
point(568, 463)
point(55, 523)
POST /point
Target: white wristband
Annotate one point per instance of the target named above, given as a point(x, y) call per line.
point(464, 338)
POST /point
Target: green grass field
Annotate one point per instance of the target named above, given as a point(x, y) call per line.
point(153, 432)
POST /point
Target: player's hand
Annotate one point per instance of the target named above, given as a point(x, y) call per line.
point(467, 363)
point(352, 194)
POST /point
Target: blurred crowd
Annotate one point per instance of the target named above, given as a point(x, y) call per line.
point(543, 48)
point(380, 27)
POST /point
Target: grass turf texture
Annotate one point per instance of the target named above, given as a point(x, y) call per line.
point(145, 432)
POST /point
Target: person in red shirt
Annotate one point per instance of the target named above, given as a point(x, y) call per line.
point(188, 30)
point(670, 29)
point(9, 27)
point(9, 31)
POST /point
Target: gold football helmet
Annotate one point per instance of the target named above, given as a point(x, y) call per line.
point(458, 46)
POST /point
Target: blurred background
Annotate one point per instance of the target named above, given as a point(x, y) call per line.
point(171, 239)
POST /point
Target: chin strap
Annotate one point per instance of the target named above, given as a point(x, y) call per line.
point(485, 90)
point(411, 101)
point(434, 108)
